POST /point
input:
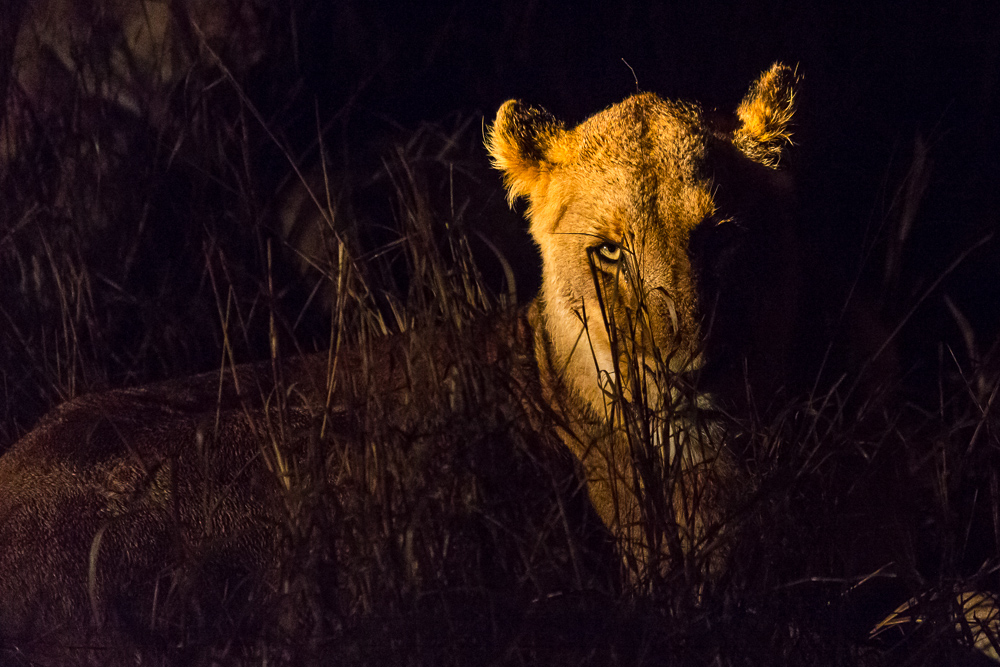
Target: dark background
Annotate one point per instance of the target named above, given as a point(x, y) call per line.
point(896, 130)
point(878, 80)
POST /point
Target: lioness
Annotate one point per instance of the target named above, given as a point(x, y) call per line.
point(651, 315)
point(656, 227)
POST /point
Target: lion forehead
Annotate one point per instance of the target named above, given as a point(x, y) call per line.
point(638, 164)
point(644, 131)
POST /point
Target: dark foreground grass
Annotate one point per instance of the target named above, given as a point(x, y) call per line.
point(442, 522)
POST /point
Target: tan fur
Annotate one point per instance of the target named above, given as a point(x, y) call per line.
point(640, 176)
point(765, 114)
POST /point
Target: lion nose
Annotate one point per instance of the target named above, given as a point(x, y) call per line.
point(672, 306)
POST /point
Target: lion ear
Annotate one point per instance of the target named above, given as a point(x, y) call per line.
point(520, 142)
point(765, 115)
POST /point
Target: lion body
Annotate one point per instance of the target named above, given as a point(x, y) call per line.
point(107, 498)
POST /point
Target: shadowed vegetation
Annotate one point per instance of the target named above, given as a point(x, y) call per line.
point(449, 528)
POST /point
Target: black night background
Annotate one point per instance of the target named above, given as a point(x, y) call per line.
point(153, 225)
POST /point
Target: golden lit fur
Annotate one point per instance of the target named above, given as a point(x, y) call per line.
point(613, 205)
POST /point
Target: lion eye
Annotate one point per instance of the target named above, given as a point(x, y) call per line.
point(610, 252)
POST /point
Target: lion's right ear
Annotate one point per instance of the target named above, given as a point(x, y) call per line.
point(765, 115)
point(520, 142)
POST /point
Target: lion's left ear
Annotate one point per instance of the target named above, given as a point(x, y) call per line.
point(521, 142)
point(765, 115)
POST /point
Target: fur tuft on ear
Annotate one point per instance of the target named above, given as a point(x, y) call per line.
point(519, 141)
point(765, 115)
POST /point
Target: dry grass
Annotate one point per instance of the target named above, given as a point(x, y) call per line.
point(448, 531)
